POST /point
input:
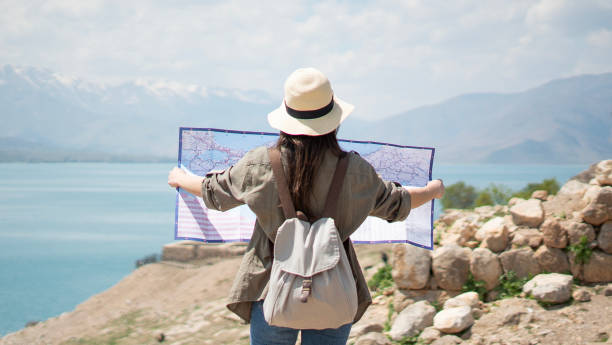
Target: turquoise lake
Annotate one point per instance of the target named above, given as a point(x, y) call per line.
point(71, 230)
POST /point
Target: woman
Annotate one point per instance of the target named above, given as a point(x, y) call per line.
point(308, 121)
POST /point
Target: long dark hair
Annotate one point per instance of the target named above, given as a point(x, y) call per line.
point(304, 157)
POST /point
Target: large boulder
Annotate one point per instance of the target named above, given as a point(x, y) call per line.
point(373, 338)
point(485, 266)
point(429, 335)
point(550, 288)
point(412, 320)
point(450, 216)
point(603, 173)
point(598, 269)
point(366, 326)
point(600, 208)
point(527, 237)
point(494, 234)
point(539, 194)
point(552, 259)
point(469, 299)
point(461, 231)
point(454, 320)
point(411, 266)
point(513, 201)
point(521, 261)
point(528, 213)
point(569, 199)
point(575, 231)
point(595, 214)
point(599, 173)
point(591, 194)
point(554, 234)
point(450, 266)
point(604, 239)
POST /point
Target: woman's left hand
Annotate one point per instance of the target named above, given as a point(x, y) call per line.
point(176, 177)
point(437, 188)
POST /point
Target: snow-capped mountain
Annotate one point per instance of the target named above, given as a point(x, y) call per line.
point(136, 118)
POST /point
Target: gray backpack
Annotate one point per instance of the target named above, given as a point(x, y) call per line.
point(311, 284)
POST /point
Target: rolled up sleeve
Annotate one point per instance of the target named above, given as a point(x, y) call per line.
point(227, 189)
point(392, 200)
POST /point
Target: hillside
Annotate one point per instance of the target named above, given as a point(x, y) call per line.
point(563, 121)
point(129, 119)
point(184, 301)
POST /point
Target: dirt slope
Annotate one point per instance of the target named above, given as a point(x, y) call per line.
point(185, 302)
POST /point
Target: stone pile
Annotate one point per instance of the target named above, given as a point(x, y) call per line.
point(542, 237)
point(527, 237)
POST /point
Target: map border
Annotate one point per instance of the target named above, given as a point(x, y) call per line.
point(180, 149)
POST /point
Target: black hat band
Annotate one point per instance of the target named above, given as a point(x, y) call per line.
point(310, 114)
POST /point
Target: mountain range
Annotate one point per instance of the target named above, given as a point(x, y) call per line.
point(47, 116)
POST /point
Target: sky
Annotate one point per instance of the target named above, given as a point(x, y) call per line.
point(385, 57)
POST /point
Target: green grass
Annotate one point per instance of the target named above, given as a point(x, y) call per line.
point(477, 286)
point(382, 279)
point(510, 285)
point(438, 237)
point(391, 310)
point(581, 250)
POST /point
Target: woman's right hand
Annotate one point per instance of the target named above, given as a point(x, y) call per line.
point(176, 177)
point(437, 188)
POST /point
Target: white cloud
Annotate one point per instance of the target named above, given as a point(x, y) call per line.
point(546, 10)
point(601, 38)
point(383, 56)
point(76, 8)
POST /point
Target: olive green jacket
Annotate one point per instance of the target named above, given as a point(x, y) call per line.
point(250, 181)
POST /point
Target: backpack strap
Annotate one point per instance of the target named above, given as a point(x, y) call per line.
point(331, 204)
point(281, 183)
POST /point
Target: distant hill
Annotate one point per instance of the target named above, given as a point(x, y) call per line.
point(20, 150)
point(50, 117)
point(563, 121)
point(73, 119)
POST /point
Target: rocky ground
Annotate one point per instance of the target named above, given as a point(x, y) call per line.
point(536, 271)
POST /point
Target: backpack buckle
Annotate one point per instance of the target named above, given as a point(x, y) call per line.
point(306, 289)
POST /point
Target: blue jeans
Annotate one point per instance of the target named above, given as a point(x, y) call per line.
point(264, 334)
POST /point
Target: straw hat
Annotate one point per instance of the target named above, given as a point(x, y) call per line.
point(309, 107)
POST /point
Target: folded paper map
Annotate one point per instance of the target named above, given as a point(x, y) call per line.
point(202, 150)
